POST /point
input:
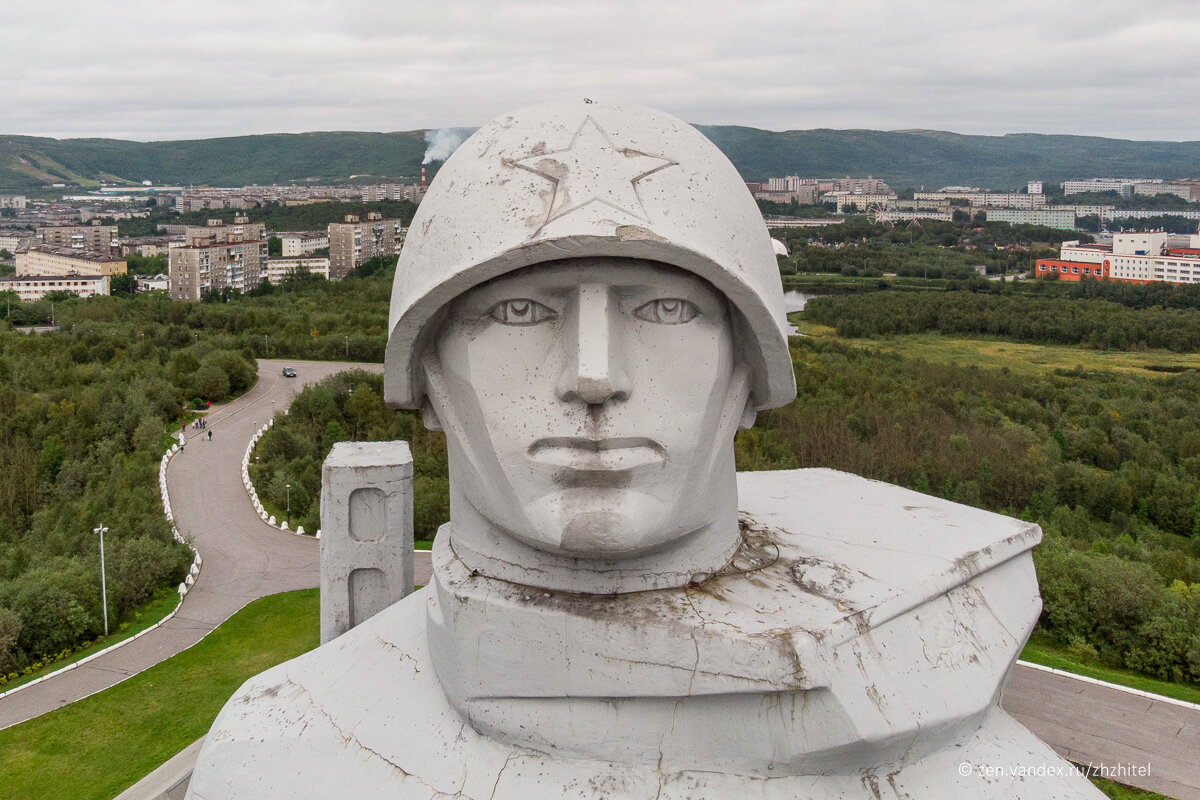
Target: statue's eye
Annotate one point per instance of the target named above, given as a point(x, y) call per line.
point(669, 311)
point(521, 312)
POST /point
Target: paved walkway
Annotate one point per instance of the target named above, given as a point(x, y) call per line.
point(245, 559)
point(1091, 724)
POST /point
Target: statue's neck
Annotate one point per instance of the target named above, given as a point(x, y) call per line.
point(691, 558)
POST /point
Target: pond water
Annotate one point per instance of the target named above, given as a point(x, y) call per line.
point(794, 301)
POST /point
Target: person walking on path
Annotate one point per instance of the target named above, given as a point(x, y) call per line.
point(210, 436)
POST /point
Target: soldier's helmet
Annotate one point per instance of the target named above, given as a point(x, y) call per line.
point(577, 180)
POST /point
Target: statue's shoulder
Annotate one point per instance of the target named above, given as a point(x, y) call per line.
point(340, 714)
point(863, 522)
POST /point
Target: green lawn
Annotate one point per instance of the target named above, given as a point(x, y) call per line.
point(99, 746)
point(1022, 359)
point(1043, 650)
point(1119, 792)
point(160, 604)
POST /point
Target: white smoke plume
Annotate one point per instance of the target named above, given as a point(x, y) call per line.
point(441, 143)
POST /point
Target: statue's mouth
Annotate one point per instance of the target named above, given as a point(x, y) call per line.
point(616, 453)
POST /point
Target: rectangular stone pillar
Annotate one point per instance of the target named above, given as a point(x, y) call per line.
point(366, 532)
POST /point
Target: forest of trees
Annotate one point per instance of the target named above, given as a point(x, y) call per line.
point(84, 416)
point(929, 249)
point(83, 419)
point(1096, 322)
point(347, 407)
point(1107, 464)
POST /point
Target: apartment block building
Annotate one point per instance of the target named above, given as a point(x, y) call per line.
point(281, 269)
point(867, 185)
point(1122, 186)
point(976, 198)
point(804, 194)
point(12, 201)
point(12, 242)
point(88, 238)
point(862, 202)
point(1188, 190)
point(35, 287)
point(355, 241)
point(44, 261)
point(303, 243)
point(218, 256)
point(1062, 217)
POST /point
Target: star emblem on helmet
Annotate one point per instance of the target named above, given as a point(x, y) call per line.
point(591, 169)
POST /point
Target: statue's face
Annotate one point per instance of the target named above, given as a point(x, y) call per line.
point(590, 404)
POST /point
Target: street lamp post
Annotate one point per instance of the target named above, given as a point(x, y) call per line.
point(288, 486)
point(101, 530)
point(347, 348)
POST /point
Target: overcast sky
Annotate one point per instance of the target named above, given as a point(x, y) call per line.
point(177, 70)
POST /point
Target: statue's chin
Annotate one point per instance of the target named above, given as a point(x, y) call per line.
point(616, 526)
point(596, 534)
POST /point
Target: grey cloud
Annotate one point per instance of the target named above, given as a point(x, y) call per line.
point(150, 71)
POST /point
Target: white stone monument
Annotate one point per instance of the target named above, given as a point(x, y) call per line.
point(588, 304)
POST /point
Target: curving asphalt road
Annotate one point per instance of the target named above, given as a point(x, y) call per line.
point(244, 559)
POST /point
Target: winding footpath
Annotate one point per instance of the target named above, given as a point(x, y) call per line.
point(245, 559)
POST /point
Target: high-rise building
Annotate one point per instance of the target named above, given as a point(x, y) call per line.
point(218, 256)
point(355, 241)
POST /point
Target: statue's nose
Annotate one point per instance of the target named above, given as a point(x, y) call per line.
point(594, 372)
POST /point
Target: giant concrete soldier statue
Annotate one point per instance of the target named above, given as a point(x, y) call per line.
point(588, 305)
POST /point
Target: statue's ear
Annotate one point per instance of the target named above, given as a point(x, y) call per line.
point(429, 416)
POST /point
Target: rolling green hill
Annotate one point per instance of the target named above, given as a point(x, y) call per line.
point(27, 162)
point(936, 158)
point(903, 158)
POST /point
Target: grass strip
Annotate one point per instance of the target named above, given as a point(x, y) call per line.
point(1043, 650)
point(1119, 791)
point(95, 748)
point(150, 613)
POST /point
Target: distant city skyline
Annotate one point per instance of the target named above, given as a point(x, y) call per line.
point(158, 72)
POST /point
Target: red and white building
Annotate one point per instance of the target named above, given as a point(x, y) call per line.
point(1133, 257)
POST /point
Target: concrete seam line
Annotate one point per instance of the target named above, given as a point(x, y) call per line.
point(1117, 686)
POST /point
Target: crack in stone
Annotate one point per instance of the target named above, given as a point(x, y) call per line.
point(500, 774)
point(349, 738)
